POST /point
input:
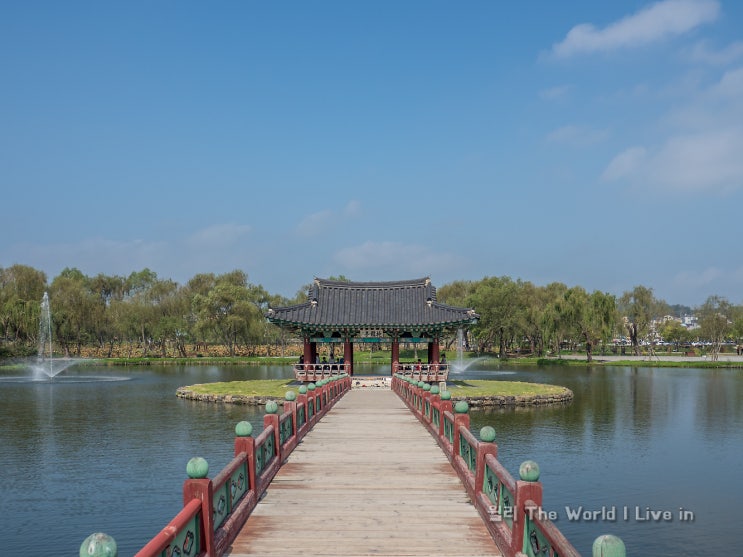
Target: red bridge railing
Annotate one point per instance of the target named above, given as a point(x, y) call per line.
point(511, 509)
point(214, 510)
point(427, 373)
point(316, 372)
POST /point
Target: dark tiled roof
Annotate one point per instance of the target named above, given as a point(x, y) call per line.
point(348, 305)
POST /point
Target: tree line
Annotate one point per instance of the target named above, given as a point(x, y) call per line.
point(159, 317)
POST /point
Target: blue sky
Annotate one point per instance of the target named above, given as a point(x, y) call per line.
point(597, 144)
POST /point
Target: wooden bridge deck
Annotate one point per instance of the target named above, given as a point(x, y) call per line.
point(367, 480)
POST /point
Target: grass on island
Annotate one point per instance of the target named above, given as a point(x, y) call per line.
point(278, 388)
point(254, 387)
point(480, 388)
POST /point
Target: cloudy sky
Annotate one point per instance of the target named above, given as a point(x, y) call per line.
point(597, 144)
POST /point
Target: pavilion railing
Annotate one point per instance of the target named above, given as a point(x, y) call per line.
point(428, 373)
point(214, 510)
point(511, 509)
point(316, 372)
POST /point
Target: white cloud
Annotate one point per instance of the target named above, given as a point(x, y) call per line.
point(703, 151)
point(394, 259)
point(698, 279)
point(706, 161)
point(315, 223)
point(699, 162)
point(554, 93)
point(702, 52)
point(657, 22)
point(352, 209)
point(730, 86)
point(624, 164)
point(578, 136)
point(218, 235)
point(321, 222)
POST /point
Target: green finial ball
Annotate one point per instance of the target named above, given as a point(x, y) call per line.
point(608, 546)
point(302, 390)
point(290, 396)
point(420, 384)
point(461, 407)
point(445, 395)
point(311, 387)
point(426, 387)
point(197, 468)
point(99, 545)
point(434, 390)
point(529, 471)
point(244, 429)
point(272, 407)
point(487, 434)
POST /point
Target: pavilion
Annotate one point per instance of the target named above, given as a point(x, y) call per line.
point(361, 312)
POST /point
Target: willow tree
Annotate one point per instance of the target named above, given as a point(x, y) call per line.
point(226, 311)
point(21, 290)
point(73, 307)
point(553, 320)
point(591, 316)
point(639, 307)
point(456, 294)
point(497, 302)
point(714, 322)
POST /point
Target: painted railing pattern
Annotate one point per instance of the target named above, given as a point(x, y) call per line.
point(511, 509)
point(214, 510)
point(421, 372)
point(316, 372)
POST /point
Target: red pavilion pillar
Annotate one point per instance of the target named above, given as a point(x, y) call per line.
point(433, 357)
point(348, 354)
point(308, 358)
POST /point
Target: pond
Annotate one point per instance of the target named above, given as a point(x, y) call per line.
point(105, 450)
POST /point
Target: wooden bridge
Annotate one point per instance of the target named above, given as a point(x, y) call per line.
point(367, 480)
point(386, 472)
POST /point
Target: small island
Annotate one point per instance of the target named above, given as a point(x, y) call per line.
point(477, 393)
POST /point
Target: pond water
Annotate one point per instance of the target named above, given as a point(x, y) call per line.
point(105, 450)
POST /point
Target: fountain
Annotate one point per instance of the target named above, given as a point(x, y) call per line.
point(460, 365)
point(47, 367)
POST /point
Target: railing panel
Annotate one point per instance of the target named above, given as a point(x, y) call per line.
point(541, 536)
point(181, 535)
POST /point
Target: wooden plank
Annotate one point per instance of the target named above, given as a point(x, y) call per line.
point(367, 480)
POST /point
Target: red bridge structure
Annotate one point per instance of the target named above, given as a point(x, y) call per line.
point(342, 471)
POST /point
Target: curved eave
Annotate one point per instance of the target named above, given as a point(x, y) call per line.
point(387, 326)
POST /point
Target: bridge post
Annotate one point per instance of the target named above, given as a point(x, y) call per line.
point(198, 486)
point(244, 443)
point(272, 418)
point(290, 405)
point(426, 404)
point(446, 406)
point(485, 447)
point(461, 419)
point(528, 488)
